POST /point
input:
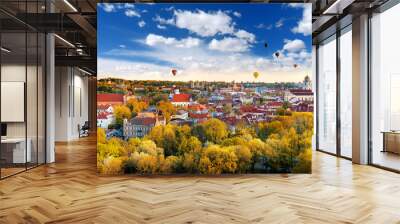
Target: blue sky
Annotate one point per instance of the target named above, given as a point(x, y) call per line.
point(212, 42)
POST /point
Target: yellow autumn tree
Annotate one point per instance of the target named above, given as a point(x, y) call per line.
point(112, 165)
point(121, 112)
point(217, 160)
point(147, 164)
point(244, 157)
point(215, 130)
point(167, 109)
point(101, 136)
point(136, 106)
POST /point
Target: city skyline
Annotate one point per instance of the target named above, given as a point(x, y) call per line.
point(205, 42)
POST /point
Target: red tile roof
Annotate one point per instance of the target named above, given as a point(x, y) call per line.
point(103, 115)
point(103, 106)
point(230, 120)
point(109, 97)
point(198, 116)
point(147, 121)
point(250, 109)
point(182, 97)
point(274, 104)
point(197, 107)
point(301, 92)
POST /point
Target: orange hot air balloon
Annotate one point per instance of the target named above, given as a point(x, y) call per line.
point(174, 71)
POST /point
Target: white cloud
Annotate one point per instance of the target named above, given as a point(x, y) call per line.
point(141, 23)
point(303, 54)
point(122, 46)
point(157, 40)
point(279, 23)
point(107, 7)
point(237, 14)
point(113, 7)
point(229, 44)
point(161, 27)
point(132, 13)
point(204, 24)
point(243, 34)
point(169, 8)
point(188, 42)
point(226, 57)
point(163, 21)
point(201, 63)
point(153, 40)
point(264, 26)
point(207, 24)
point(129, 5)
point(296, 5)
point(304, 26)
point(293, 45)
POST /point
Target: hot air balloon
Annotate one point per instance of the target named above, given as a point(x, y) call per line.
point(174, 72)
point(295, 65)
point(256, 74)
point(277, 54)
point(265, 44)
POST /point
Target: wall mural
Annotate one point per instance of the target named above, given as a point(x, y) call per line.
point(204, 88)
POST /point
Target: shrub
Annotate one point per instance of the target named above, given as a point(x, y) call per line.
point(190, 162)
point(129, 166)
point(149, 147)
point(112, 165)
point(147, 164)
point(217, 160)
point(244, 157)
point(172, 164)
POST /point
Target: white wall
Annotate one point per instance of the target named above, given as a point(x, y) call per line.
point(71, 102)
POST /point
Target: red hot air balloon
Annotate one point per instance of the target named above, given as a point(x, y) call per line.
point(174, 72)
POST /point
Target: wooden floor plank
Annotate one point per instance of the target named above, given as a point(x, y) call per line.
point(70, 191)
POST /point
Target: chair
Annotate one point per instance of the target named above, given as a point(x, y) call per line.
point(84, 130)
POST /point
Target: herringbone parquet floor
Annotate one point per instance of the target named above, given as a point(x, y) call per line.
point(70, 191)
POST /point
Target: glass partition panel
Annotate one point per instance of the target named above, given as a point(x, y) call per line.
point(385, 89)
point(14, 153)
point(346, 93)
point(22, 64)
point(327, 95)
point(31, 98)
point(41, 86)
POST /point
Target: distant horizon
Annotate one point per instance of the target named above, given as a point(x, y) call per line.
point(216, 42)
point(151, 80)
